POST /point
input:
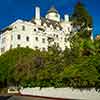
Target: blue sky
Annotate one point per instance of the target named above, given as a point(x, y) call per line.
point(11, 10)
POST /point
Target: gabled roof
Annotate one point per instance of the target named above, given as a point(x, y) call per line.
point(48, 22)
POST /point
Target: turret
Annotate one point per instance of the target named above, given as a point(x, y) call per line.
point(53, 14)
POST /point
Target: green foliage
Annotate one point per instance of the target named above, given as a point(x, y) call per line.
point(29, 68)
point(82, 20)
point(77, 67)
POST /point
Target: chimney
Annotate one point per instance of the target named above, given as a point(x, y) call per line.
point(92, 36)
point(37, 13)
point(66, 18)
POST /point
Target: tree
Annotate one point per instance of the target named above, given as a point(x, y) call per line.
point(16, 65)
point(81, 75)
point(82, 21)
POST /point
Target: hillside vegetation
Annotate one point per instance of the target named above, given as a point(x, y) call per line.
point(29, 68)
point(77, 67)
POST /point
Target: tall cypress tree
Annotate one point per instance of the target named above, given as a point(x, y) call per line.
point(82, 21)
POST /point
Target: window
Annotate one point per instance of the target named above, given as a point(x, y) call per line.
point(43, 40)
point(18, 37)
point(57, 28)
point(27, 46)
point(54, 43)
point(2, 49)
point(27, 38)
point(41, 29)
point(10, 46)
point(36, 47)
point(3, 40)
point(36, 38)
point(45, 33)
point(44, 24)
point(65, 39)
point(11, 37)
point(68, 29)
point(57, 44)
point(35, 30)
point(51, 26)
point(43, 49)
point(23, 28)
point(56, 36)
point(18, 45)
point(56, 15)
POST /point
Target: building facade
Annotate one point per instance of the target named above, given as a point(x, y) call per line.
point(39, 33)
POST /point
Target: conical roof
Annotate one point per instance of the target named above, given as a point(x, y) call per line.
point(52, 9)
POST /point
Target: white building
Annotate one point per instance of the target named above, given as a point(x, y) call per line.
point(39, 33)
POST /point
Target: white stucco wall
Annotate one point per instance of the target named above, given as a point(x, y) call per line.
point(5, 41)
point(62, 93)
point(57, 34)
point(29, 31)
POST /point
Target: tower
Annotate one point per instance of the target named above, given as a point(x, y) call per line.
point(53, 14)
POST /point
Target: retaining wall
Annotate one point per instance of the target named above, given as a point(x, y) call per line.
point(62, 93)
